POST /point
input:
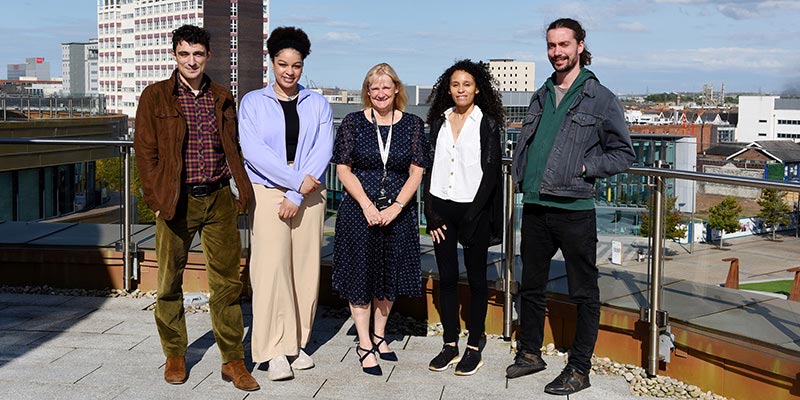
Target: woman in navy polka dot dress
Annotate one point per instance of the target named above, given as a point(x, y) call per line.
point(376, 251)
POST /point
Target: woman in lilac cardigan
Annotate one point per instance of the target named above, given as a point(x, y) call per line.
point(286, 132)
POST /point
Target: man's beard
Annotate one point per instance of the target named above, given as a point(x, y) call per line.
point(571, 62)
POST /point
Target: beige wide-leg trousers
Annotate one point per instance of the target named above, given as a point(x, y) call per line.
point(284, 272)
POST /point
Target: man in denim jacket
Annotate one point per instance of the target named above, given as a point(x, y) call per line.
point(574, 132)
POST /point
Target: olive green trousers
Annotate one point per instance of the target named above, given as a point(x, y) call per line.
point(214, 218)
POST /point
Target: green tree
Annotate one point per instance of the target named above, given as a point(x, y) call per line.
point(661, 98)
point(774, 212)
point(672, 222)
point(725, 216)
point(109, 171)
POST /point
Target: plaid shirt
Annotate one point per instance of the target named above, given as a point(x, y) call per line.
point(203, 156)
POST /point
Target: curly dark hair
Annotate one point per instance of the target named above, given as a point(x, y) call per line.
point(579, 33)
point(191, 34)
point(488, 97)
point(288, 37)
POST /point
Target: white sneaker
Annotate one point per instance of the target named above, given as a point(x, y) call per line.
point(302, 361)
point(279, 369)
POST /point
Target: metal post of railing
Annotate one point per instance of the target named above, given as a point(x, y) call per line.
point(655, 275)
point(4, 108)
point(126, 237)
point(508, 276)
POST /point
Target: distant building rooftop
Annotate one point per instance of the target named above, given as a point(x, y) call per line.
point(787, 104)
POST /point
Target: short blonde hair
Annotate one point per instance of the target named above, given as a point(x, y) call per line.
point(400, 99)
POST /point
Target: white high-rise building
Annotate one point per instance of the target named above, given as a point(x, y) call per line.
point(513, 76)
point(768, 118)
point(135, 44)
point(79, 68)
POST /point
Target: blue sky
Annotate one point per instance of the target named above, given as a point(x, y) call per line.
point(638, 45)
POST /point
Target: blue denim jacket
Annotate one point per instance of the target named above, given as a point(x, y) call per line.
point(593, 134)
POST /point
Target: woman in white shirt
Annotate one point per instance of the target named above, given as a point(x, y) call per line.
point(463, 199)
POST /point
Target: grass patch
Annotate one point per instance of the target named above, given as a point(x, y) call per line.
point(780, 287)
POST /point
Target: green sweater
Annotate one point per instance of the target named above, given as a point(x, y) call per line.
point(539, 150)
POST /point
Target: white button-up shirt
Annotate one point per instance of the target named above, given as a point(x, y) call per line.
point(456, 172)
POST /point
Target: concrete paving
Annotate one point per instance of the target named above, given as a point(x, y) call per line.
point(60, 347)
point(95, 348)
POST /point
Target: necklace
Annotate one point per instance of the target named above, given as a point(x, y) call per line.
point(286, 96)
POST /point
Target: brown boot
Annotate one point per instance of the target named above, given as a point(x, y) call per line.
point(175, 370)
point(236, 372)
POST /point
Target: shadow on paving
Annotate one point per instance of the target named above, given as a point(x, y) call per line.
point(31, 318)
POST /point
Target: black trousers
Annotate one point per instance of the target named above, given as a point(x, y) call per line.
point(544, 231)
point(447, 262)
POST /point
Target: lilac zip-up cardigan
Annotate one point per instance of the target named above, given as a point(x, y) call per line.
point(262, 133)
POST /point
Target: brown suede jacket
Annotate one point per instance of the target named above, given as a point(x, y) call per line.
point(158, 144)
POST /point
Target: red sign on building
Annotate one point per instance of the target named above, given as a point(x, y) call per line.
point(39, 60)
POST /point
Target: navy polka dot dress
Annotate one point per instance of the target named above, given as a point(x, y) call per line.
point(378, 262)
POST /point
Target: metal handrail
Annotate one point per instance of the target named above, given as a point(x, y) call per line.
point(714, 178)
point(104, 142)
point(125, 145)
point(656, 317)
point(508, 250)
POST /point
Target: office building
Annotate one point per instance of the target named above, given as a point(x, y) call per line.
point(135, 44)
point(513, 76)
point(34, 67)
point(79, 68)
point(768, 118)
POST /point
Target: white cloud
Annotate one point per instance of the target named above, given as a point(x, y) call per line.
point(743, 9)
point(632, 27)
point(325, 21)
point(342, 37)
point(706, 60)
point(726, 59)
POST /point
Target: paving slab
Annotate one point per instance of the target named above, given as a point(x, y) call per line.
point(127, 360)
point(12, 321)
point(46, 373)
point(108, 303)
point(88, 340)
point(369, 387)
point(27, 356)
point(21, 390)
point(20, 338)
point(7, 299)
point(36, 311)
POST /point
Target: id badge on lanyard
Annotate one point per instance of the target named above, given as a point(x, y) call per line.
point(383, 201)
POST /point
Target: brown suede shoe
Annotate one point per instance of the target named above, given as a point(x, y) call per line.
point(175, 370)
point(236, 372)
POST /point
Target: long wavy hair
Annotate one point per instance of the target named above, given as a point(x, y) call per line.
point(488, 97)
